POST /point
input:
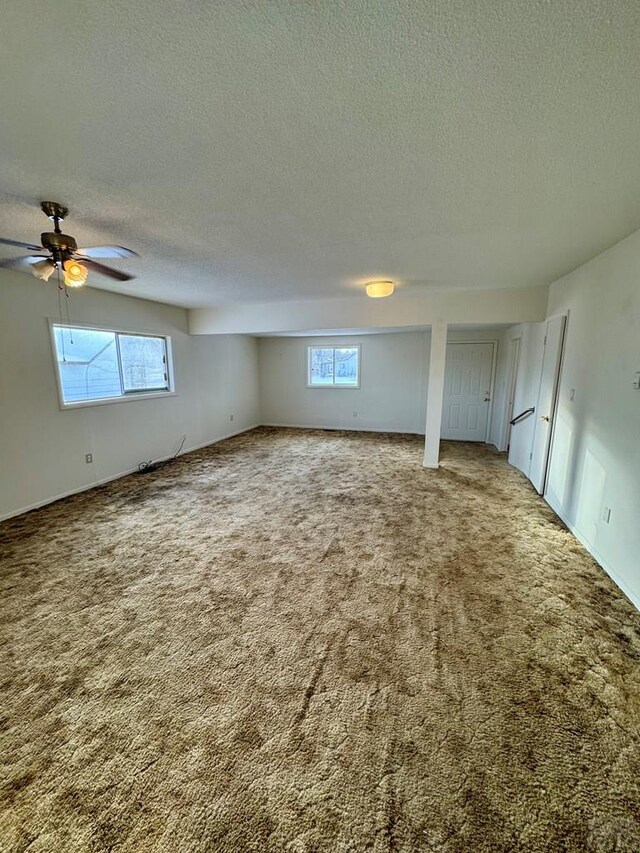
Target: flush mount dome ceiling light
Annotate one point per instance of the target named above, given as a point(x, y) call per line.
point(379, 289)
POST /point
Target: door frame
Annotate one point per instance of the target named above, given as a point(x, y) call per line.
point(563, 346)
point(542, 490)
point(515, 345)
point(494, 361)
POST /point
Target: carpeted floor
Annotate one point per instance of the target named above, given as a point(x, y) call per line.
point(303, 641)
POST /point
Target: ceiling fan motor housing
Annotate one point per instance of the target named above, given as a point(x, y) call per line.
point(58, 242)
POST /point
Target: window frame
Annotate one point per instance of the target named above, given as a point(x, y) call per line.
point(126, 396)
point(338, 386)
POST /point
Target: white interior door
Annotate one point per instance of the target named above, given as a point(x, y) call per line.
point(545, 408)
point(467, 391)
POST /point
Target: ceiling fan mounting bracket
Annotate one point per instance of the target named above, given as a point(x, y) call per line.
point(54, 210)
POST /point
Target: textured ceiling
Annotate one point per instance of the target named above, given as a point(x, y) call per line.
point(252, 151)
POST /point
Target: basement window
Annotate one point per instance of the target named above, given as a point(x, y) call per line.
point(95, 366)
point(333, 367)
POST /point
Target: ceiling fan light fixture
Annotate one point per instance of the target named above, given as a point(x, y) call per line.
point(63, 250)
point(43, 269)
point(75, 273)
point(379, 289)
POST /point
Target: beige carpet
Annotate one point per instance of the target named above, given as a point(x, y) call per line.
point(304, 641)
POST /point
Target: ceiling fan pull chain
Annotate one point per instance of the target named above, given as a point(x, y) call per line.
point(68, 302)
point(64, 355)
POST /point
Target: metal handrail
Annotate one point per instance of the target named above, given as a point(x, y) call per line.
point(522, 415)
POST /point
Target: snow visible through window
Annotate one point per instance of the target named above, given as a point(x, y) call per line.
point(334, 366)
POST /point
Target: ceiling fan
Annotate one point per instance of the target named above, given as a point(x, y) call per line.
point(60, 252)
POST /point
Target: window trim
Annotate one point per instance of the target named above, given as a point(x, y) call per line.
point(127, 396)
point(333, 385)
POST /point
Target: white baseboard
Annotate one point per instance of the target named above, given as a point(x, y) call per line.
point(345, 428)
point(363, 429)
point(633, 596)
point(104, 480)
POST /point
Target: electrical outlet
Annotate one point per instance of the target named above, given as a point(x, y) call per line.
point(230, 417)
point(572, 394)
point(606, 514)
point(88, 458)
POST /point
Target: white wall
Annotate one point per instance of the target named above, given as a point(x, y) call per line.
point(595, 459)
point(43, 448)
point(392, 393)
point(393, 388)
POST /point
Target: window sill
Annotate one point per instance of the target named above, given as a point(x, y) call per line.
point(128, 398)
point(334, 387)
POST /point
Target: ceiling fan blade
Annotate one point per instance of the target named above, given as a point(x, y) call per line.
point(108, 252)
point(20, 245)
point(104, 270)
point(22, 263)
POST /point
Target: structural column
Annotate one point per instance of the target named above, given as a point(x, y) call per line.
point(435, 394)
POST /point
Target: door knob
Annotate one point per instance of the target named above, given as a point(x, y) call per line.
point(544, 418)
